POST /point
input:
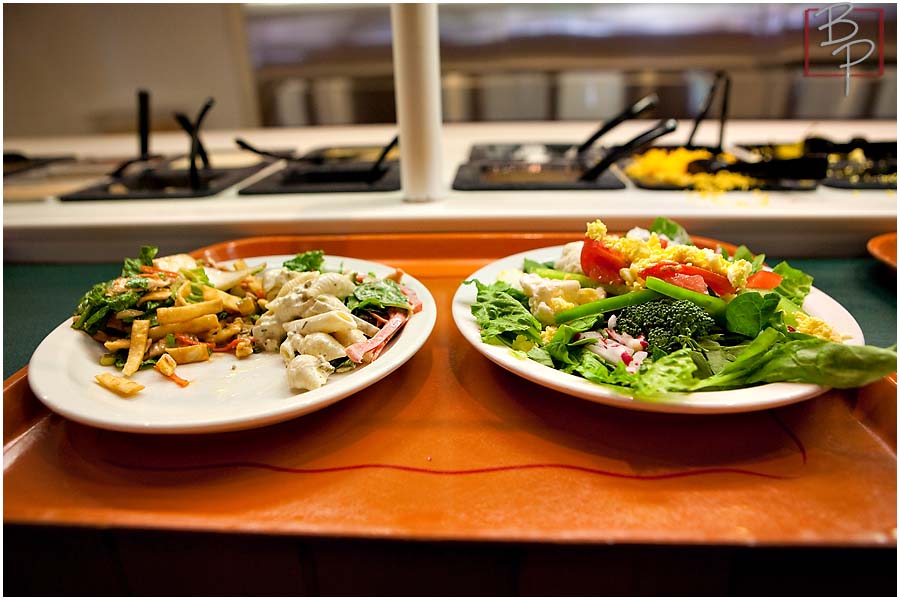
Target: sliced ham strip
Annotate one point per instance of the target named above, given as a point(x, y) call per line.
point(414, 303)
point(357, 352)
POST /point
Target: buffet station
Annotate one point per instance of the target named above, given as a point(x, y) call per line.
point(643, 341)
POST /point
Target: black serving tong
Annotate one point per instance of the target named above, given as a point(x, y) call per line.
point(323, 175)
point(721, 80)
point(143, 97)
point(664, 127)
point(197, 149)
point(376, 171)
point(244, 145)
point(636, 109)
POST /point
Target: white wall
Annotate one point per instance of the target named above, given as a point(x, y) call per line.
point(75, 68)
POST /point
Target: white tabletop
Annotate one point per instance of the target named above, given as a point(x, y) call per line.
point(826, 222)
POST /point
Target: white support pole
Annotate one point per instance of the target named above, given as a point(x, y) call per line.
point(417, 91)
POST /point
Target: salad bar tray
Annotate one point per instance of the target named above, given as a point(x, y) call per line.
point(450, 446)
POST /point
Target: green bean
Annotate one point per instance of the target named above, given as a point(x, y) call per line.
point(714, 306)
point(605, 305)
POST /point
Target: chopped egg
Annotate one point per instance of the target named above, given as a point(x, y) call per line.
point(642, 254)
point(817, 327)
point(546, 297)
point(547, 334)
point(660, 166)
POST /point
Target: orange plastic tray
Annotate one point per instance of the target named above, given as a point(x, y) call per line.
point(451, 446)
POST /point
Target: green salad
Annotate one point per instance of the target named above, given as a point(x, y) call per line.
point(649, 314)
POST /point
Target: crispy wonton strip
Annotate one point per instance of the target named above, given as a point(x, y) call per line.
point(198, 325)
point(179, 314)
point(189, 354)
point(113, 345)
point(119, 385)
point(139, 329)
point(231, 303)
point(155, 296)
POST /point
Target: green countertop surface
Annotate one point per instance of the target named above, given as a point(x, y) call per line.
point(38, 297)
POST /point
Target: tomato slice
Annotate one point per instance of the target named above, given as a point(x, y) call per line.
point(664, 270)
point(600, 263)
point(764, 280)
point(695, 283)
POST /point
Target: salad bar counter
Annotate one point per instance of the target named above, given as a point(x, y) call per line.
point(495, 177)
point(449, 447)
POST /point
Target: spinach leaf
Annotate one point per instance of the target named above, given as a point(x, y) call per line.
point(672, 230)
point(718, 355)
point(377, 294)
point(137, 283)
point(736, 373)
point(750, 313)
point(814, 360)
point(132, 266)
point(95, 307)
point(306, 261)
point(795, 284)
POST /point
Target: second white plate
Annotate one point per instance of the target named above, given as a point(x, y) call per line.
point(731, 401)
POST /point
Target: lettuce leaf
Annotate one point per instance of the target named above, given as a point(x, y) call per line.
point(502, 313)
point(795, 284)
point(674, 372)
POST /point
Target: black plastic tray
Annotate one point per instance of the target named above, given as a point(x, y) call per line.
point(470, 177)
point(30, 163)
point(152, 184)
point(327, 178)
point(784, 185)
point(874, 150)
point(506, 152)
point(355, 154)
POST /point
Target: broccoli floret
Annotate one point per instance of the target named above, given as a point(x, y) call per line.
point(667, 325)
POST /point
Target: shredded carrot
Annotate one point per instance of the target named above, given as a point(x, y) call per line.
point(229, 346)
point(186, 340)
point(179, 380)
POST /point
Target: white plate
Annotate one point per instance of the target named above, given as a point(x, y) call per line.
point(742, 400)
point(225, 393)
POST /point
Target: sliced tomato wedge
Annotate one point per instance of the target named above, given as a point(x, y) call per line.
point(695, 283)
point(600, 263)
point(666, 269)
point(764, 280)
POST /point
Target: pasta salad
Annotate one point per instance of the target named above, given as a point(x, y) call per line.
point(162, 312)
